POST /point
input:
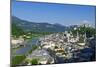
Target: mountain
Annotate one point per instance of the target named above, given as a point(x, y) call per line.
point(36, 26)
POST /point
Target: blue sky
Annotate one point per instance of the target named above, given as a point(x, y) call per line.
point(54, 13)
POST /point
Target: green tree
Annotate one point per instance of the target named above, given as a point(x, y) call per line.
point(34, 61)
point(16, 31)
point(82, 30)
point(17, 60)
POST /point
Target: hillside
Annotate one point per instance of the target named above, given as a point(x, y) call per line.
point(37, 27)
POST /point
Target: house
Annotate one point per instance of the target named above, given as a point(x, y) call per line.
point(16, 42)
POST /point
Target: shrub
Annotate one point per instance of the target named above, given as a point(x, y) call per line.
point(17, 60)
point(34, 61)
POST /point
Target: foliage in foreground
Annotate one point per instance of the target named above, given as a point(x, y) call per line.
point(34, 61)
point(17, 60)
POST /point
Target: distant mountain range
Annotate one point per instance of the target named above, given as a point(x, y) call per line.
point(34, 26)
point(40, 27)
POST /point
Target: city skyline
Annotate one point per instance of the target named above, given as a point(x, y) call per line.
point(65, 14)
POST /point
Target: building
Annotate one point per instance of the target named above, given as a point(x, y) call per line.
point(17, 42)
point(42, 55)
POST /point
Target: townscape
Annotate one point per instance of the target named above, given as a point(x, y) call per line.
point(64, 47)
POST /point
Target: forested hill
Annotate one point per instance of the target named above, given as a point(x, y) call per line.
point(36, 26)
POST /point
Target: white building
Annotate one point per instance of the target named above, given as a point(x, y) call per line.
point(16, 42)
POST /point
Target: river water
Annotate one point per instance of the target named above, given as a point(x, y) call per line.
point(24, 50)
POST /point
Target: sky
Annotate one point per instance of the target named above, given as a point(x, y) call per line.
point(65, 14)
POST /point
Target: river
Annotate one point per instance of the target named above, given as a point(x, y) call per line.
point(25, 49)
